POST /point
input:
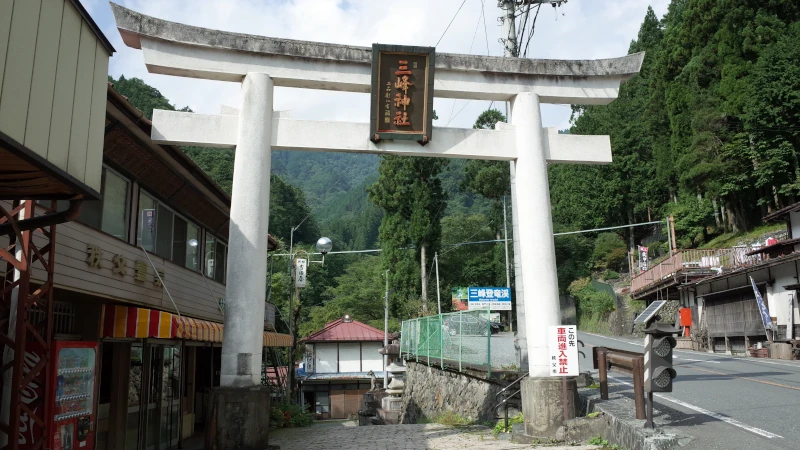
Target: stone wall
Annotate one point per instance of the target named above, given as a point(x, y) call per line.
point(430, 392)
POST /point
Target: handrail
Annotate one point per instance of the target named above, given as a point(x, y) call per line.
point(508, 396)
point(512, 384)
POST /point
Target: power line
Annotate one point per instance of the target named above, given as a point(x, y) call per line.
point(609, 228)
point(451, 22)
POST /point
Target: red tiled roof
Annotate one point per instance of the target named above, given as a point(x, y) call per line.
point(339, 330)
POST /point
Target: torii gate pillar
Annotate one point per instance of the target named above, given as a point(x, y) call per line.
point(247, 241)
point(535, 249)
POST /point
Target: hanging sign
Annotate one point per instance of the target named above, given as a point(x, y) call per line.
point(562, 342)
point(643, 258)
point(300, 266)
point(790, 321)
point(402, 93)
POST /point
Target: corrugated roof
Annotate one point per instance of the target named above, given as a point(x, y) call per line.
point(339, 330)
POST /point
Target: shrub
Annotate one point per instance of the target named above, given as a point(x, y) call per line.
point(609, 252)
point(610, 275)
point(290, 415)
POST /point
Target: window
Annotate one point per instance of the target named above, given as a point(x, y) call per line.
point(110, 214)
point(216, 253)
point(165, 233)
point(115, 205)
point(192, 247)
point(147, 222)
point(211, 249)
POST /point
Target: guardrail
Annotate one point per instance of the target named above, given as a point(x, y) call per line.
point(631, 363)
point(460, 340)
point(697, 259)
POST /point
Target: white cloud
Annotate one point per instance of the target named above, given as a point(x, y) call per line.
point(587, 29)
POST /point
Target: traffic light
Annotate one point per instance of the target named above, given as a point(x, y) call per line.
point(658, 371)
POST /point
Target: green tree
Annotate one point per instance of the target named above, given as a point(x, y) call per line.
point(410, 193)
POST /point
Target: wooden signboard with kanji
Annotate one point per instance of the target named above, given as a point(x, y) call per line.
point(402, 93)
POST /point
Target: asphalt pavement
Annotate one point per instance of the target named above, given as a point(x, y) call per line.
point(725, 402)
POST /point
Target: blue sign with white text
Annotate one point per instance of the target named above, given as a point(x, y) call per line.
point(494, 298)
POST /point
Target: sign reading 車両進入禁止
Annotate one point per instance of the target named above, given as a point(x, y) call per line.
point(562, 342)
point(402, 93)
point(494, 298)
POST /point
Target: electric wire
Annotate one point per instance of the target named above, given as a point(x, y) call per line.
point(451, 22)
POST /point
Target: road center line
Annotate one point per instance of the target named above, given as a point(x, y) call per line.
point(717, 416)
point(770, 383)
point(711, 355)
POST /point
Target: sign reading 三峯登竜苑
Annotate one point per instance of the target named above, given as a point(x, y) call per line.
point(402, 93)
point(494, 298)
point(562, 341)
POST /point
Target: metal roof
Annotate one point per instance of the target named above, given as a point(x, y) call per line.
point(339, 330)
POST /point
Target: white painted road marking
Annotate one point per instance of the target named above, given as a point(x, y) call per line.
point(717, 416)
point(696, 360)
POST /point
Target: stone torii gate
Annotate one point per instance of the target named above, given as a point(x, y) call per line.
point(260, 63)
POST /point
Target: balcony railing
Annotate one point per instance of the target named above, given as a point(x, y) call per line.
point(698, 261)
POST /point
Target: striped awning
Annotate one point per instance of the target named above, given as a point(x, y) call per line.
point(141, 323)
point(198, 330)
point(277, 339)
point(131, 322)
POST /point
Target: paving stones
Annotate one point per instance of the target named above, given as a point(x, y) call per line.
point(348, 436)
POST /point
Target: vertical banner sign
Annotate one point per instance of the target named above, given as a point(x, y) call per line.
point(402, 93)
point(148, 231)
point(790, 319)
point(643, 258)
point(762, 307)
point(563, 344)
point(300, 266)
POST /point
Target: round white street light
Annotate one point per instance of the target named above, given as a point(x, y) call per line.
point(324, 245)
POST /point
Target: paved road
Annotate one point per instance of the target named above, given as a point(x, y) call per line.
point(725, 402)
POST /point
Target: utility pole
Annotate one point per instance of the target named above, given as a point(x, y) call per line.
point(510, 47)
point(511, 50)
point(508, 272)
point(386, 333)
point(438, 297)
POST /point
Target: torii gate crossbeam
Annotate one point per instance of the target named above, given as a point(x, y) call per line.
point(261, 63)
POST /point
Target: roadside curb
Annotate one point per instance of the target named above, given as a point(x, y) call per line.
point(624, 429)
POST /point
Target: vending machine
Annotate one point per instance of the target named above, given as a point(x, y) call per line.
point(72, 395)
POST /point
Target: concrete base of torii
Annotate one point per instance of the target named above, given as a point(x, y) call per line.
point(543, 405)
point(239, 419)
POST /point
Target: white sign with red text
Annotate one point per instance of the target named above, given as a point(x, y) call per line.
point(563, 343)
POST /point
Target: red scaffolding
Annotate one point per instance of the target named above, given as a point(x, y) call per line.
point(26, 317)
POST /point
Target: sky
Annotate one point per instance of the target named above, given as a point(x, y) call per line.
point(580, 29)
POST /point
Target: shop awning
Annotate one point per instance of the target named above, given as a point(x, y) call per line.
point(141, 323)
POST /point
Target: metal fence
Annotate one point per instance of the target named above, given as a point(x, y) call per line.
point(459, 341)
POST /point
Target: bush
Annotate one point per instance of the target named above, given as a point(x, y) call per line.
point(610, 275)
point(500, 427)
point(609, 252)
point(592, 306)
point(290, 415)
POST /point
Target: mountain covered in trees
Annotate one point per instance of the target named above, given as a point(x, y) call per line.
point(709, 132)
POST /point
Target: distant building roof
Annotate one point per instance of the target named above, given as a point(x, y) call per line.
point(782, 213)
point(342, 330)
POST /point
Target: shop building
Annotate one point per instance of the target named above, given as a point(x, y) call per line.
point(337, 364)
point(141, 274)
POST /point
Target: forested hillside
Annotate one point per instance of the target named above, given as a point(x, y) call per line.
point(708, 132)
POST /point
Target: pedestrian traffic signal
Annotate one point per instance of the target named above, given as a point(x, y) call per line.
point(658, 371)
